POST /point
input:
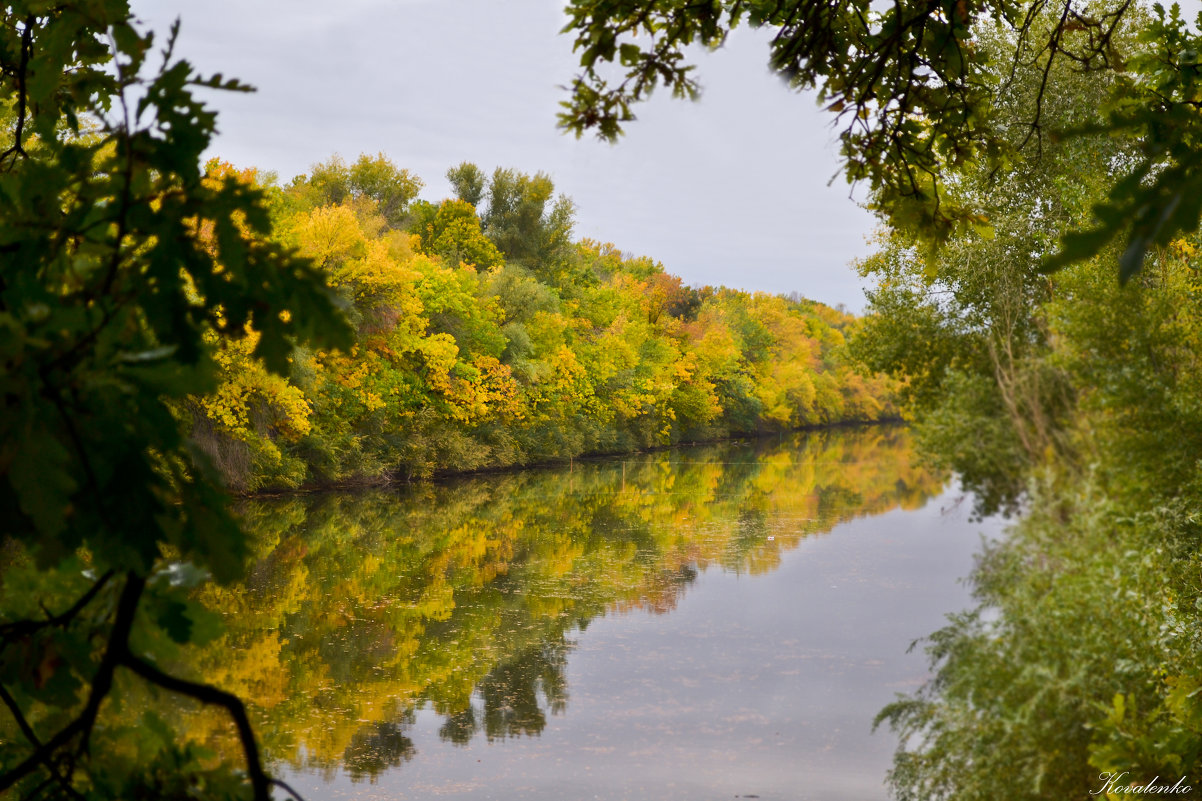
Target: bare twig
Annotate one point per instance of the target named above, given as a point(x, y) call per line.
point(31, 736)
point(287, 788)
point(117, 654)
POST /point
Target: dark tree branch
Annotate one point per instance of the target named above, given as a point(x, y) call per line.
point(19, 716)
point(22, 94)
point(18, 628)
point(1053, 47)
point(287, 788)
point(207, 694)
point(27, 730)
point(102, 683)
point(118, 647)
point(39, 789)
point(117, 654)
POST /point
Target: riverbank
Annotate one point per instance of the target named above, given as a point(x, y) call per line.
point(392, 480)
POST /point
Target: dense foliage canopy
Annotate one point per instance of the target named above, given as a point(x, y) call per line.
point(1072, 399)
point(492, 339)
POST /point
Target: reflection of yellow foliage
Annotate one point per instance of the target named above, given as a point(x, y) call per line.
point(253, 670)
point(363, 606)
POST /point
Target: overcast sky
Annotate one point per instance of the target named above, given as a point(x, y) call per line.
point(730, 190)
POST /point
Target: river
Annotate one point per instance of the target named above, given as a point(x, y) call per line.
point(710, 622)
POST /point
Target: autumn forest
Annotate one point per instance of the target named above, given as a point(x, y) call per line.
point(485, 336)
point(303, 477)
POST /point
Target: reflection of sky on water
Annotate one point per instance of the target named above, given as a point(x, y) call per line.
point(760, 685)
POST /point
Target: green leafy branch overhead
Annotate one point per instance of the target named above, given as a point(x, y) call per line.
point(1158, 99)
point(122, 260)
point(916, 97)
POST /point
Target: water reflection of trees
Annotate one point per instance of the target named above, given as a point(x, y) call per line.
point(463, 597)
point(508, 704)
point(377, 747)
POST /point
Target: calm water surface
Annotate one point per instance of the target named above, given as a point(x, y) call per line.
point(706, 623)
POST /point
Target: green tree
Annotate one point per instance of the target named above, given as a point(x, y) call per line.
point(452, 231)
point(373, 178)
point(1077, 396)
point(469, 183)
point(967, 325)
point(529, 224)
point(123, 261)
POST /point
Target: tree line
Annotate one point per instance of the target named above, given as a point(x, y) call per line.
point(486, 336)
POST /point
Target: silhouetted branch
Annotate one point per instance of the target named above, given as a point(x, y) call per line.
point(27, 730)
point(20, 627)
point(117, 654)
point(211, 695)
point(102, 682)
point(22, 94)
point(287, 788)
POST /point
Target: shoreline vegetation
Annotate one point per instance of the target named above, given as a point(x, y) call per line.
point(384, 482)
point(1070, 400)
point(487, 338)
